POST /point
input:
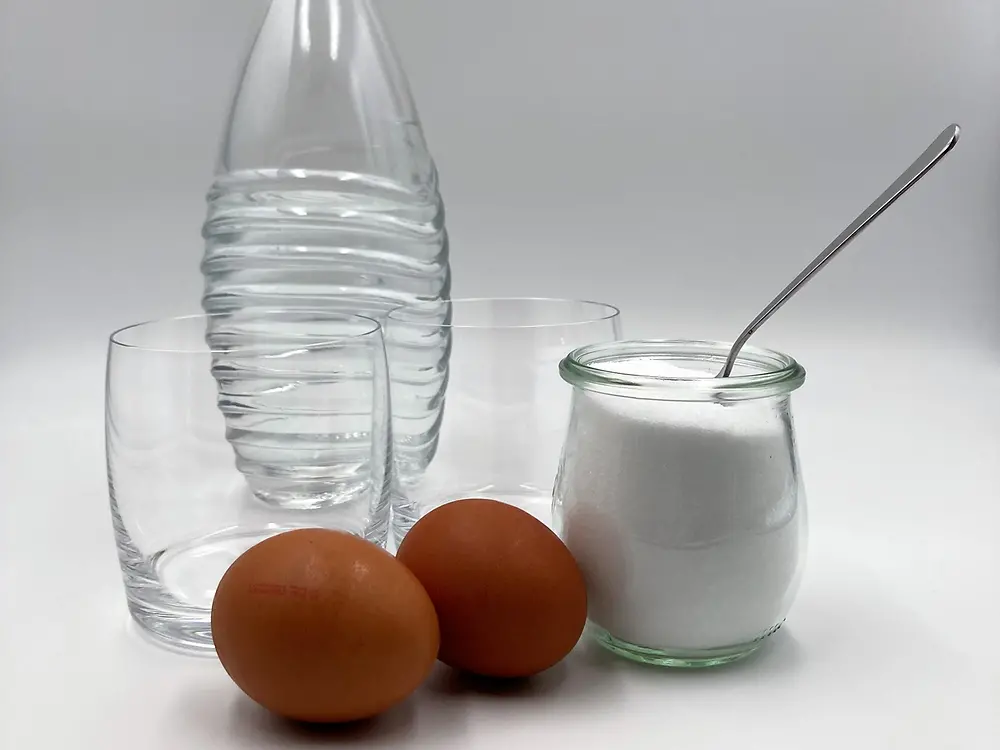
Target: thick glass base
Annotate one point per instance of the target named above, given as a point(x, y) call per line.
point(170, 594)
point(321, 494)
point(676, 658)
point(185, 633)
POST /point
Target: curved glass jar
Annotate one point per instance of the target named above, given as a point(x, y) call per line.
point(680, 496)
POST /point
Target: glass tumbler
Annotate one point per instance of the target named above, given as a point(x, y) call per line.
point(680, 496)
point(478, 406)
point(181, 507)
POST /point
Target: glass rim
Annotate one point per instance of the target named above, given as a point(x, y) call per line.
point(783, 374)
point(610, 312)
point(374, 327)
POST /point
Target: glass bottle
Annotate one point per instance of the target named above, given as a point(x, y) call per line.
point(681, 498)
point(325, 196)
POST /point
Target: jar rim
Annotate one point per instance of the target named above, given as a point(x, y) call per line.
point(772, 373)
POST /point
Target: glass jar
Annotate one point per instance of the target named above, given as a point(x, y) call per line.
point(679, 494)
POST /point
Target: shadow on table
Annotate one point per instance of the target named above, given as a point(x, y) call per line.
point(575, 682)
point(252, 726)
point(590, 681)
point(438, 714)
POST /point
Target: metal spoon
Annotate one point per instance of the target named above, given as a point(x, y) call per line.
point(941, 146)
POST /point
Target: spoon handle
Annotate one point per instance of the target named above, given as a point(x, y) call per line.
point(941, 146)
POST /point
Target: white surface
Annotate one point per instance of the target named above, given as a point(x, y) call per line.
point(891, 643)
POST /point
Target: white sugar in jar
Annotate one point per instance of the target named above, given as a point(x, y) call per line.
point(680, 496)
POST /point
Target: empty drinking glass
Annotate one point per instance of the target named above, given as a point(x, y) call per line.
point(184, 419)
point(489, 421)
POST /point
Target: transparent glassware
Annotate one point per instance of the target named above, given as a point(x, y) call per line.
point(497, 430)
point(325, 193)
point(680, 496)
point(305, 398)
point(181, 509)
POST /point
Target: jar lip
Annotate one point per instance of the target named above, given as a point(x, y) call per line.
point(771, 373)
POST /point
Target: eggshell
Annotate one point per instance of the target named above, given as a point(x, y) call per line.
point(322, 626)
point(510, 598)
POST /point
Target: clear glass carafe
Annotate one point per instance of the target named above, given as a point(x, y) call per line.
point(681, 498)
point(325, 194)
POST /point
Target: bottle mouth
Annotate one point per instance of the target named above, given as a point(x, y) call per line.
point(680, 370)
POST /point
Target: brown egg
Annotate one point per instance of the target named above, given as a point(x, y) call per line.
point(322, 626)
point(509, 596)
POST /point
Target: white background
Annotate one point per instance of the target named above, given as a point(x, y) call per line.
point(681, 159)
